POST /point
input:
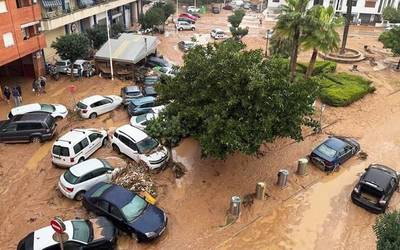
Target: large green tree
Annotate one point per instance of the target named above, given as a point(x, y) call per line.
point(391, 14)
point(290, 25)
point(391, 40)
point(72, 46)
point(232, 100)
point(320, 34)
point(153, 17)
point(280, 46)
point(387, 230)
point(98, 34)
point(235, 20)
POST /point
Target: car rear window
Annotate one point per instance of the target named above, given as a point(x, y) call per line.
point(81, 105)
point(70, 177)
point(47, 108)
point(61, 151)
point(100, 190)
point(330, 152)
point(370, 193)
point(82, 231)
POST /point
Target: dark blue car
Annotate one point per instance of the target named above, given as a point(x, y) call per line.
point(127, 210)
point(333, 152)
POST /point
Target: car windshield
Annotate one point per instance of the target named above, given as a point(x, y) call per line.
point(141, 118)
point(82, 231)
point(81, 105)
point(146, 145)
point(330, 152)
point(70, 177)
point(134, 208)
point(47, 108)
point(61, 151)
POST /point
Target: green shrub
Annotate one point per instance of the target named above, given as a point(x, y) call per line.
point(342, 89)
point(320, 67)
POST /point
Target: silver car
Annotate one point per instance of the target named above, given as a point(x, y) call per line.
point(62, 66)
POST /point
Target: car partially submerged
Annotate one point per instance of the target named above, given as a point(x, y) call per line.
point(375, 188)
point(333, 152)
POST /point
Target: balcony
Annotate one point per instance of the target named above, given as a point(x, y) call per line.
point(57, 17)
point(31, 45)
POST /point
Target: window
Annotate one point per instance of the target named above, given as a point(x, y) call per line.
point(370, 4)
point(12, 127)
point(61, 151)
point(354, 3)
point(86, 177)
point(99, 172)
point(28, 126)
point(81, 231)
point(85, 143)
point(29, 32)
point(275, 1)
point(81, 145)
point(103, 205)
point(94, 136)
point(3, 6)
point(8, 39)
point(115, 212)
point(23, 3)
point(96, 104)
point(124, 140)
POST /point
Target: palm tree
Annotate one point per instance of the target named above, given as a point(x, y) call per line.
point(289, 25)
point(346, 25)
point(320, 34)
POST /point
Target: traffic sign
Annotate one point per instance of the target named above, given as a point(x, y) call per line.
point(72, 88)
point(58, 225)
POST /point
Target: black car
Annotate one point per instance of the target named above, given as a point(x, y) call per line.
point(333, 152)
point(149, 91)
point(375, 188)
point(130, 92)
point(215, 10)
point(154, 61)
point(127, 210)
point(96, 234)
point(30, 127)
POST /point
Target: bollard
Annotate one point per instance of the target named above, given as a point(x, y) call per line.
point(260, 191)
point(235, 206)
point(302, 166)
point(283, 177)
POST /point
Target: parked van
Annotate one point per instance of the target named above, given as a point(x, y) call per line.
point(77, 145)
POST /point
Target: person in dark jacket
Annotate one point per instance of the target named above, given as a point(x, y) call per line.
point(7, 93)
point(16, 96)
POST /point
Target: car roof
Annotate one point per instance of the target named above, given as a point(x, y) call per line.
point(73, 136)
point(132, 88)
point(218, 30)
point(85, 167)
point(117, 195)
point(35, 116)
point(335, 143)
point(378, 177)
point(142, 100)
point(44, 237)
point(134, 133)
point(26, 108)
point(79, 61)
point(92, 99)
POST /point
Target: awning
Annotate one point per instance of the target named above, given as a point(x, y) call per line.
point(51, 3)
point(29, 24)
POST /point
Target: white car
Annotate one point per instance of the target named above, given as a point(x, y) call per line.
point(193, 9)
point(96, 105)
point(181, 25)
point(56, 110)
point(84, 67)
point(217, 34)
point(142, 120)
point(77, 145)
point(138, 146)
point(81, 177)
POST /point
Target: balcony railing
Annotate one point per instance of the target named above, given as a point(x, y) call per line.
point(59, 11)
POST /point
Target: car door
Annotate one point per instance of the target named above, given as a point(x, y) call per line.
point(96, 108)
point(102, 207)
point(96, 140)
point(86, 148)
point(345, 154)
point(9, 133)
point(108, 104)
point(117, 216)
point(25, 130)
point(99, 175)
point(124, 147)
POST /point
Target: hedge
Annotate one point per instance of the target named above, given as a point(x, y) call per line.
point(342, 89)
point(320, 67)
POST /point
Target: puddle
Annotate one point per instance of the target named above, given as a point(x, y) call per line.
point(187, 153)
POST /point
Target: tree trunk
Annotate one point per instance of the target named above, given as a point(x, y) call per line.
point(293, 56)
point(398, 65)
point(346, 26)
point(312, 63)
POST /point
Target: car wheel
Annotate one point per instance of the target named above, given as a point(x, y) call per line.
point(92, 115)
point(79, 196)
point(36, 139)
point(116, 149)
point(104, 141)
point(81, 160)
point(180, 29)
point(193, 28)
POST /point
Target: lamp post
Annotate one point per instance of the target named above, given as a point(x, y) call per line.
point(145, 47)
point(109, 48)
point(268, 36)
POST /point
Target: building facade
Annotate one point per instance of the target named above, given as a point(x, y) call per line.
point(62, 17)
point(21, 38)
point(364, 11)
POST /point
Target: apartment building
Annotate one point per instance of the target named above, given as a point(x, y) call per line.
point(60, 17)
point(21, 38)
point(365, 11)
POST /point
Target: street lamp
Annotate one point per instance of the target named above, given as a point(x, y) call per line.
point(267, 36)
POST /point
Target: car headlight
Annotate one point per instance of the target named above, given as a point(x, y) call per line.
point(150, 234)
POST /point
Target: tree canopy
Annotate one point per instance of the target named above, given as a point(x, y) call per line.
point(232, 100)
point(72, 46)
point(157, 15)
point(235, 20)
point(387, 230)
point(391, 40)
point(391, 14)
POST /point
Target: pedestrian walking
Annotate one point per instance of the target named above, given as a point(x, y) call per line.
point(7, 93)
point(36, 87)
point(16, 96)
point(43, 84)
point(20, 92)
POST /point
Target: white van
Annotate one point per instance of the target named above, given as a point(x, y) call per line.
point(77, 145)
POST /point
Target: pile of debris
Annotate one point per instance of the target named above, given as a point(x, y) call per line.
point(135, 177)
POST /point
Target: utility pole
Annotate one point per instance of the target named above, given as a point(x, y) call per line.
point(109, 48)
